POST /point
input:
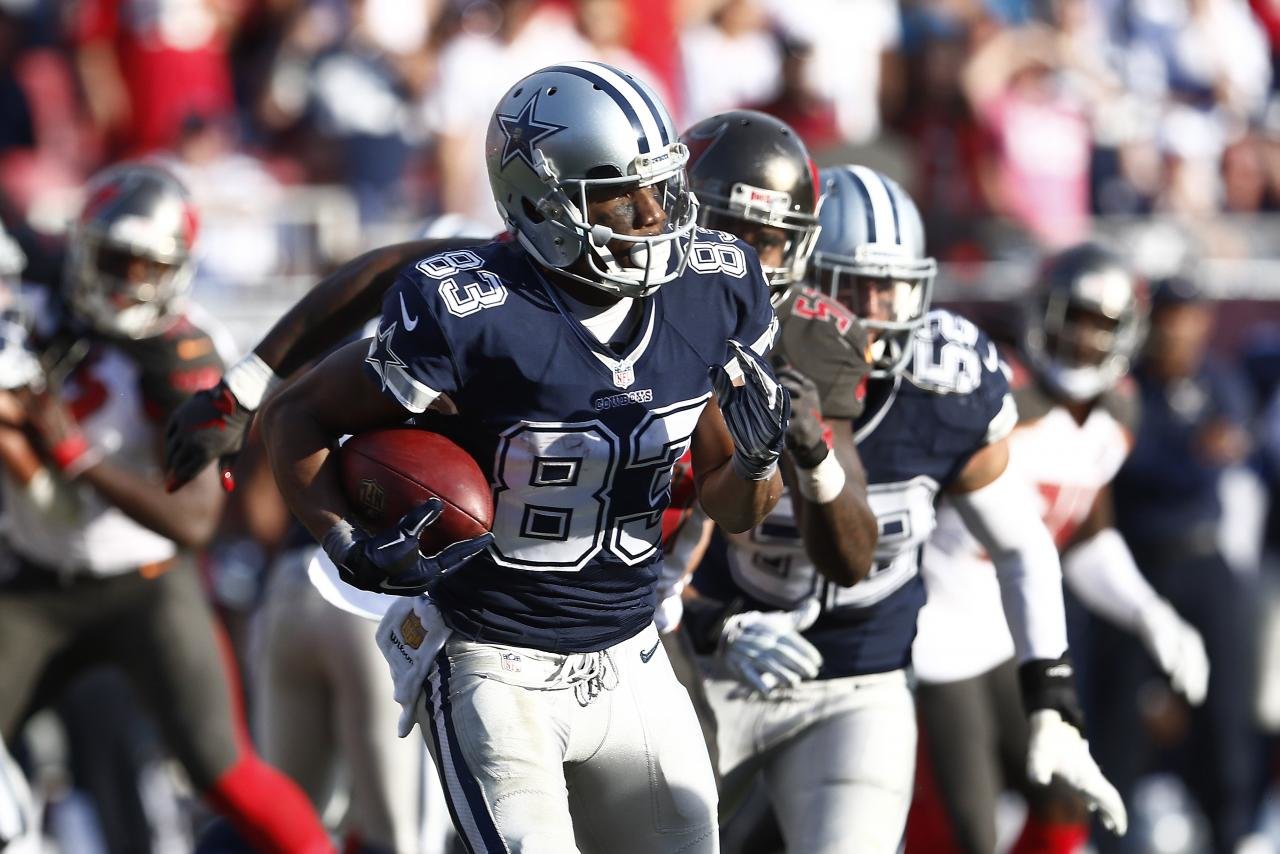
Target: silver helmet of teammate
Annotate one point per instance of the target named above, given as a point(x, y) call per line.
point(579, 128)
point(129, 255)
point(871, 230)
point(1085, 320)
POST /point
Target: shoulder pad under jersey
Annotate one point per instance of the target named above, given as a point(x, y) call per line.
point(826, 342)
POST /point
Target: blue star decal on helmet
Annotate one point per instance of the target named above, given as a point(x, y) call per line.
point(523, 131)
point(381, 356)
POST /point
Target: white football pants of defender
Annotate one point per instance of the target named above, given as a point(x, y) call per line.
point(324, 703)
point(837, 757)
point(544, 753)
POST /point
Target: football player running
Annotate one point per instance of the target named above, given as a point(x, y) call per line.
point(101, 559)
point(583, 357)
point(836, 740)
point(1076, 422)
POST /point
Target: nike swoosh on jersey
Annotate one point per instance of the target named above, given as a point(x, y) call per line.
point(410, 324)
point(645, 656)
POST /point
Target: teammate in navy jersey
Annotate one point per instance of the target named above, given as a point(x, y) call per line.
point(837, 751)
point(582, 358)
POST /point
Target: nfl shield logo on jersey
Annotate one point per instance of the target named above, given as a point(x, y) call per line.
point(623, 375)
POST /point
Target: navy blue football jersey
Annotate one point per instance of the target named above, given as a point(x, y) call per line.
point(578, 441)
point(915, 436)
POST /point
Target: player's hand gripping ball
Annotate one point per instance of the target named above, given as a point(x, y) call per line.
point(428, 505)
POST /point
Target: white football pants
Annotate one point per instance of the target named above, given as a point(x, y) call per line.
point(837, 756)
point(545, 753)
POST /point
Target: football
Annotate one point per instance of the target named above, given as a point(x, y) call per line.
point(386, 473)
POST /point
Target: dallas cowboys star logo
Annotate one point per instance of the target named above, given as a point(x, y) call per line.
point(523, 131)
point(381, 356)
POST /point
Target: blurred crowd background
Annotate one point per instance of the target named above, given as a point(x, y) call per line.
point(310, 130)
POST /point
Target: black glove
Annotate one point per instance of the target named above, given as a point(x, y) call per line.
point(1050, 683)
point(210, 425)
point(756, 413)
point(805, 431)
point(391, 562)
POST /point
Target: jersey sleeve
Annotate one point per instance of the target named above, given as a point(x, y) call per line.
point(409, 354)
point(174, 366)
point(756, 325)
point(823, 340)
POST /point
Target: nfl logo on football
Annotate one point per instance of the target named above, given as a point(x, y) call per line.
point(510, 661)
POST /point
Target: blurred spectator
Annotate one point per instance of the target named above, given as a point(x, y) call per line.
point(352, 72)
point(729, 61)
point(856, 64)
point(947, 143)
point(1195, 416)
point(238, 200)
point(148, 65)
point(500, 42)
point(1039, 171)
point(810, 113)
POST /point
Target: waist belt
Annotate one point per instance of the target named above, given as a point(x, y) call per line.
point(19, 572)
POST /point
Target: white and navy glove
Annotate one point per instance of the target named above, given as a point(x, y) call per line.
point(1057, 747)
point(410, 636)
point(756, 410)
point(766, 650)
point(391, 562)
point(1177, 648)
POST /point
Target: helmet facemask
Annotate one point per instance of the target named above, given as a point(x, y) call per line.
point(1082, 348)
point(746, 206)
point(888, 291)
point(124, 291)
point(556, 231)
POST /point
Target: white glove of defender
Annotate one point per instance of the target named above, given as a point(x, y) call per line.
point(765, 649)
point(410, 636)
point(1177, 648)
point(1058, 749)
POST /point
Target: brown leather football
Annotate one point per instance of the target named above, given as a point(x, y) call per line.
point(387, 473)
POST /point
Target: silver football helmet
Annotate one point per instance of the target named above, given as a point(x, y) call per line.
point(871, 229)
point(1084, 322)
point(129, 255)
point(576, 127)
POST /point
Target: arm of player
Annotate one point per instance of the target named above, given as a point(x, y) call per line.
point(734, 502)
point(1101, 572)
point(212, 424)
point(828, 487)
point(301, 426)
point(189, 516)
point(1000, 511)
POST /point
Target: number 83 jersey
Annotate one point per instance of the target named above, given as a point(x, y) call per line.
point(915, 435)
point(578, 441)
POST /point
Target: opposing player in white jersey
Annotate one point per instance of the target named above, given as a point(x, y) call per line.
point(836, 744)
point(1075, 427)
point(98, 564)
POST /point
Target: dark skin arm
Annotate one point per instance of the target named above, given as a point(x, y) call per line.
point(733, 503)
point(188, 516)
point(839, 536)
point(302, 423)
point(341, 302)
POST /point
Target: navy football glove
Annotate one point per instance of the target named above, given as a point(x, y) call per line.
point(391, 562)
point(756, 411)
